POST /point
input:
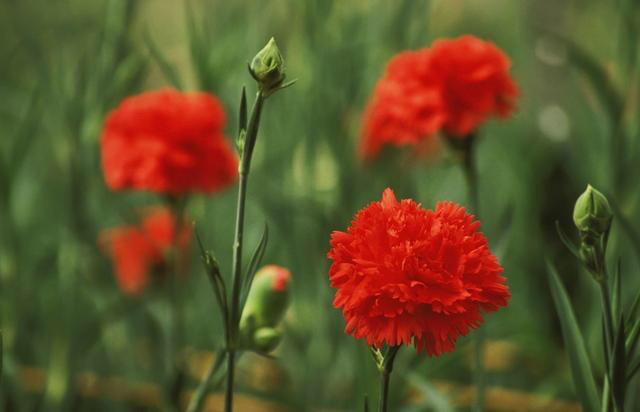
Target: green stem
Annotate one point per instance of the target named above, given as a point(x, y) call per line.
point(228, 397)
point(466, 145)
point(385, 376)
point(175, 315)
point(608, 333)
point(608, 316)
point(197, 401)
point(245, 166)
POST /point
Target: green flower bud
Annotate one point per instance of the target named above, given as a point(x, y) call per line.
point(268, 68)
point(266, 339)
point(592, 213)
point(266, 304)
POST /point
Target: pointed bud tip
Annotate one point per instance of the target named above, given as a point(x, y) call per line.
point(592, 212)
point(267, 67)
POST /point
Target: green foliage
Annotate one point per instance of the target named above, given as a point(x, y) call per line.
point(583, 378)
point(65, 66)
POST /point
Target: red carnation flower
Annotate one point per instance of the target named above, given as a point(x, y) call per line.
point(137, 250)
point(405, 275)
point(474, 77)
point(168, 142)
point(455, 86)
point(406, 106)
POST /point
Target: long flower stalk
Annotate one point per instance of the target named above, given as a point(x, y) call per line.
point(267, 68)
point(466, 148)
point(245, 166)
point(385, 376)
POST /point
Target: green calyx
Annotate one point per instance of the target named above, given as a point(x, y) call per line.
point(592, 213)
point(267, 68)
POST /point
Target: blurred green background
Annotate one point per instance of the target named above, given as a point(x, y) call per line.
point(72, 341)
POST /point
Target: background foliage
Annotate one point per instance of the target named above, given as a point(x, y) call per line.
point(66, 63)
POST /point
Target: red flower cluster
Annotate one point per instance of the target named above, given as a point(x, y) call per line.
point(405, 275)
point(137, 250)
point(453, 86)
point(168, 142)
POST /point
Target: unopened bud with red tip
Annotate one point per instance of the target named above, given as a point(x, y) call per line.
point(266, 304)
point(592, 214)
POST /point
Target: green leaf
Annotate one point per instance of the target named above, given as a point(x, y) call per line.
point(567, 242)
point(433, 399)
point(167, 68)
point(632, 233)
point(634, 367)
point(579, 360)
point(632, 339)
point(213, 273)
point(616, 303)
point(253, 266)
point(634, 308)
point(618, 368)
point(242, 117)
point(366, 403)
point(596, 74)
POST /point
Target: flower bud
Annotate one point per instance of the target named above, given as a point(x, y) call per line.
point(268, 68)
point(266, 339)
point(592, 213)
point(266, 304)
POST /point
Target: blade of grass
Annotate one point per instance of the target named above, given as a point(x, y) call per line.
point(165, 66)
point(578, 358)
point(618, 368)
point(253, 266)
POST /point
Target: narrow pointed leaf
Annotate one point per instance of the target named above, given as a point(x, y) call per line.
point(567, 242)
point(616, 304)
point(632, 338)
point(242, 116)
point(582, 374)
point(253, 266)
point(634, 367)
point(632, 233)
point(597, 75)
point(634, 308)
point(366, 403)
point(618, 368)
point(213, 273)
point(167, 69)
point(607, 350)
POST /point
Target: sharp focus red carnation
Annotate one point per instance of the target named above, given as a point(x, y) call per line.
point(137, 250)
point(453, 86)
point(168, 142)
point(475, 81)
point(406, 275)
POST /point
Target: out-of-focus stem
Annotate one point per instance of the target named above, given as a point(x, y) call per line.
point(469, 168)
point(198, 398)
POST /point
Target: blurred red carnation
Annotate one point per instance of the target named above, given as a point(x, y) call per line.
point(406, 275)
point(168, 142)
point(406, 106)
point(138, 250)
point(474, 77)
point(453, 86)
